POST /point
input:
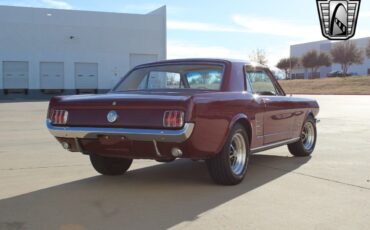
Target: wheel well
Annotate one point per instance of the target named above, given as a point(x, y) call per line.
point(310, 114)
point(248, 128)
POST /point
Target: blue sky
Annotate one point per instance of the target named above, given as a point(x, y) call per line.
point(222, 29)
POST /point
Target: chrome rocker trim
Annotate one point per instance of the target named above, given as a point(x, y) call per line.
point(274, 145)
point(159, 135)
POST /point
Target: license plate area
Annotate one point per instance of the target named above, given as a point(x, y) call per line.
point(113, 140)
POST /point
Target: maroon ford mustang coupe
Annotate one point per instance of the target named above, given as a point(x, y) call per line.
point(220, 111)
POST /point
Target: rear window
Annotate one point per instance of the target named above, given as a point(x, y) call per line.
point(194, 76)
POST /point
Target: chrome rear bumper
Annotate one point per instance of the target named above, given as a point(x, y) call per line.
point(159, 135)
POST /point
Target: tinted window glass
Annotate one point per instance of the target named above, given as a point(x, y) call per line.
point(192, 76)
point(209, 79)
point(160, 80)
point(261, 83)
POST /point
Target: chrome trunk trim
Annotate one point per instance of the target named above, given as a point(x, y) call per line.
point(159, 135)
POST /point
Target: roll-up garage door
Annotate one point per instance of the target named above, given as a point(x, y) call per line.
point(86, 75)
point(52, 75)
point(138, 59)
point(15, 74)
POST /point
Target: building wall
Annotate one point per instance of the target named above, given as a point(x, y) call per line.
point(325, 46)
point(48, 35)
point(301, 49)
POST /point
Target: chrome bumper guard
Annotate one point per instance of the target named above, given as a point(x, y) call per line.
point(159, 135)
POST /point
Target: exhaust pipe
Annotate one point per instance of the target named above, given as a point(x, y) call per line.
point(66, 146)
point(176, 152)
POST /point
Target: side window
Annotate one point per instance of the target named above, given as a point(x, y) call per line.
point(261, 83)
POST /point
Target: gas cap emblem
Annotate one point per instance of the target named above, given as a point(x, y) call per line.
point(112, 116)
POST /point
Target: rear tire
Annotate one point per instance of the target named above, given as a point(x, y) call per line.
point(110, 166)
point(307, 142)
point(230, 166)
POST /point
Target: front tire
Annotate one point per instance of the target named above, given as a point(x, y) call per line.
point(230, 166)
point(307, 142)
point(110, 166)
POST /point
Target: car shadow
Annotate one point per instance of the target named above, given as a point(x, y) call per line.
point(156, 197)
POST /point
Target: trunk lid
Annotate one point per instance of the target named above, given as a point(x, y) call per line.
point(135, 110)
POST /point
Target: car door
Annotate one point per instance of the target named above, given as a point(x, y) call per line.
point(279, 115)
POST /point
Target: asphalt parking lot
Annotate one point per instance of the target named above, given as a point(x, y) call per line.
point(44, 187)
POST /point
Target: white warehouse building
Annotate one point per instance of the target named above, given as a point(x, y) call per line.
point(325, 46)
point(67, 51)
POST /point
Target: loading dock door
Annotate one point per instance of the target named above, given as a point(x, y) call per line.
point(15, 75)
point(52, 75)
point(138, 59)
point(86, 75)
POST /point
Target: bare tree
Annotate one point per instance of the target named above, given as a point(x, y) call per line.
point(313, 60)
point(346, 54)
point(259, 56)
point(287, 64)
point(309, 60)
point(324, 60)
point(368, 50)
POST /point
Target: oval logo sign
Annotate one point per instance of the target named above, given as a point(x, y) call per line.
point(112, 116)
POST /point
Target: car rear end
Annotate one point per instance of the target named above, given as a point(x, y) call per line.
point(156, 123)
point(120, 125)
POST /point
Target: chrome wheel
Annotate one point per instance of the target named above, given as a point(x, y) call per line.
point(238, 154)
point(308, 136)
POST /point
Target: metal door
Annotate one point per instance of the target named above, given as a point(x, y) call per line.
point(52, 75)
point(86, 75)
point(15, 75)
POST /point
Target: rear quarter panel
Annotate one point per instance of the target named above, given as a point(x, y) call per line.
point(214, 115)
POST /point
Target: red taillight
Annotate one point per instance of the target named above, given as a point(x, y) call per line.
point(173, 119)
point(59, 117)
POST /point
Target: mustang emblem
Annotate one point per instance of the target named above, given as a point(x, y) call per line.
point(338, 18)
point(112, 116)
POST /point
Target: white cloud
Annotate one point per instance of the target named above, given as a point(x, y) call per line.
point(57, 4)
point(185, 50)
point(365, 14)
point(141, 7)
point(274, 54)
point(276, 27)
point(296, 33)
point(148, 7)
point(181, 49)
point(178, 49)
point(293, 32)
point(199, 26)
